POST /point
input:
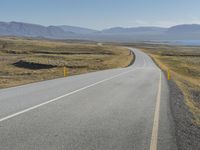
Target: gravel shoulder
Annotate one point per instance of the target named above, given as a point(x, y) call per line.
point(187, 134)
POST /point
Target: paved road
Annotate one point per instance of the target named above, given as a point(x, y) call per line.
point(118, 109)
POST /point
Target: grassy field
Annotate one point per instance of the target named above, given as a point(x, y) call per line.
point(26, 60)
point(184, 64)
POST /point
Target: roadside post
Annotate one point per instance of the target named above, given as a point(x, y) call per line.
point(65, 71)
point(168, 74)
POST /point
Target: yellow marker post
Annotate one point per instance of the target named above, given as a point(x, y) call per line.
point(168, 74)
point(65, 71)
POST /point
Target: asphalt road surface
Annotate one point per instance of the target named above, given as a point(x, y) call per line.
point(117, 109)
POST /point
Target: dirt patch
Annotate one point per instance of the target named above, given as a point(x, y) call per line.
point(32, 65)
point(181, 55)
point(14, 52)
point(71, 53)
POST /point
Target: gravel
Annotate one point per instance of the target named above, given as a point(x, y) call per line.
point(187, 134)
point(195, 95)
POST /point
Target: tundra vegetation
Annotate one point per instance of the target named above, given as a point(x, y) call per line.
point(30, 60)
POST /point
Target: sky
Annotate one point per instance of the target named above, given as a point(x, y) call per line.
point(101, 14)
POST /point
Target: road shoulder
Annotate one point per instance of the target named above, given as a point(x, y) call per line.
point(166, 137)
point(187, 134)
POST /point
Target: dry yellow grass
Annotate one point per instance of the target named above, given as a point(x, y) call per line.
point(27, 60)
point(186, 83)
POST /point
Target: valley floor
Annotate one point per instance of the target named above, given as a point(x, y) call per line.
point(29, 60)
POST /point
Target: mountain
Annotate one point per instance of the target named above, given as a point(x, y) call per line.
point(32, 30)
point(136, 30)
point(116, 34)
point(186, 28)
point(77, 30)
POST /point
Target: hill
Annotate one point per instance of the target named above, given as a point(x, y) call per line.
point(32, 30)
point(116, 34)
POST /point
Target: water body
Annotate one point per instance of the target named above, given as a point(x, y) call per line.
point(186, 42)
point(178, 42)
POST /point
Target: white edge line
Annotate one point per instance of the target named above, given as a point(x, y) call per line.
point(60, 97)
point(154, 137)
point(145, 63)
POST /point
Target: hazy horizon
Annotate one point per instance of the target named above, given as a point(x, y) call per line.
point(96, 14)
point(98, 29)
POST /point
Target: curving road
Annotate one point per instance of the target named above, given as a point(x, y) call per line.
point(117, 109)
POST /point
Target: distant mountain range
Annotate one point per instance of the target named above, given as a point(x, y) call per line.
point(77, 30)
point(135, 30)
point(32, 30)
point(179, 32)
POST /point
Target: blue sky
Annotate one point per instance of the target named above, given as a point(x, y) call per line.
point(99, 14)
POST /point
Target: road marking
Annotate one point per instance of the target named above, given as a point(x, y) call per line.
point(60, 97)
point(145, 63)
point(154, 137)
